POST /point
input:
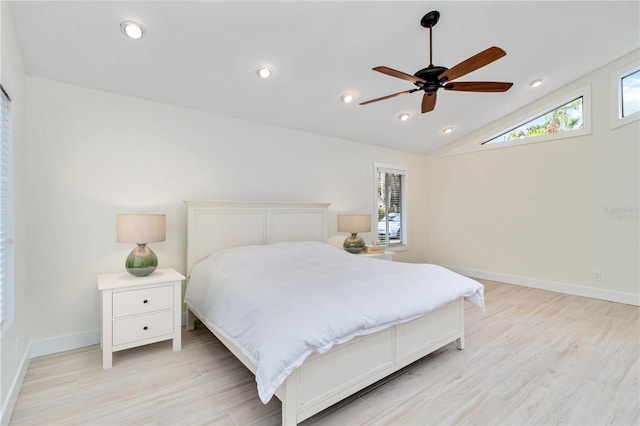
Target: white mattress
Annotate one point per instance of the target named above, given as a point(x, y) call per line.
point(279, 303)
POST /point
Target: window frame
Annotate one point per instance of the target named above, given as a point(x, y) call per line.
point(404, 184)
point(617, 120)
point(533, 112)
point(7, 246)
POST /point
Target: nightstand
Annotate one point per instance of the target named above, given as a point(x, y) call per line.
point(385, 255)
point(137, 311)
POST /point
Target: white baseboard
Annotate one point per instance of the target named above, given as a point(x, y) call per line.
point(43, 347)
point(69, 342)
point(576, 290)
point(63, 343)
point(14, 390)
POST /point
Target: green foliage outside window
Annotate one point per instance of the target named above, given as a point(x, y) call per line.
point(562, 119)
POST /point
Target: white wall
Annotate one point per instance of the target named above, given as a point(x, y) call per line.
point(15, 339)
point(535, 214)
point(94, 154)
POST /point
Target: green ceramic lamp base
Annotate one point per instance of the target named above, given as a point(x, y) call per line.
point(354, 243)
point(142, 261)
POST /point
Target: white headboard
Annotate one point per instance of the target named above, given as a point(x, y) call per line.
point(215, 225)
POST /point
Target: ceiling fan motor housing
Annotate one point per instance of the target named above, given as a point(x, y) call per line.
point(430, 75)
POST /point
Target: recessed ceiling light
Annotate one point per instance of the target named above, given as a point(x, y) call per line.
point(447, 130)
point(347, 97)
point(264, 71)
point(132, 29)
point(536, 83)
point(404, 116)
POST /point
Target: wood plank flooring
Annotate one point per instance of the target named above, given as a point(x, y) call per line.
point(535, 358)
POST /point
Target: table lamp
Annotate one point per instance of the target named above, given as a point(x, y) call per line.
point(141, 229)
point(354, 223)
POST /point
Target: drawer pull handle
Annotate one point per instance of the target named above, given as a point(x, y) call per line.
point(145, 327)
point(145, 301)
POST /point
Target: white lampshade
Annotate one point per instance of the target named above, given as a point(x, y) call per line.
point(354, 223)
point(141, 228)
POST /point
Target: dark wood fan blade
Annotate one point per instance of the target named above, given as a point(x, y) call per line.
point(399, 74)
point(473, 63)
point(428, 102)
point(478, 86)
point(389, 96)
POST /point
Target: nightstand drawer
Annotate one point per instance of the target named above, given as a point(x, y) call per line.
point(143, 327)
point(142, 301)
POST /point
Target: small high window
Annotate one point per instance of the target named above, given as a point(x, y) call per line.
point(625, 95)
point(564, 118)
point(563, 115)
point(630, 94)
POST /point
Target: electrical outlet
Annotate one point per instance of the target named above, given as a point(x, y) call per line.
point(597, 276)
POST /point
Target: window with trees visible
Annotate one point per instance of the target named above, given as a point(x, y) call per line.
point(391, 183)
point(564, 118)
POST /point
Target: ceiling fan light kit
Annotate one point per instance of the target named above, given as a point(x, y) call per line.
point(433, 77)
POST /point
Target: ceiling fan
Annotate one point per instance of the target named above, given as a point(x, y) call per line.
point(432, 78)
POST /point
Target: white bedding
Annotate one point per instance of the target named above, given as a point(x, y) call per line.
point(279, 303)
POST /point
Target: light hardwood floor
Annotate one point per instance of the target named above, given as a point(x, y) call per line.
point(535, 357)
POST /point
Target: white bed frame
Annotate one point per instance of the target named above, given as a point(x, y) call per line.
point(324, 379)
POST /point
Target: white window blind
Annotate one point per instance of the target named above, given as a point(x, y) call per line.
point(6, 214)
point(391, 182)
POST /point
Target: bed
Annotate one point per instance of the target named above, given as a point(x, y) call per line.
point(220, 233)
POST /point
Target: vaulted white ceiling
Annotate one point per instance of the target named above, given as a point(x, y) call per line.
point(203, 55)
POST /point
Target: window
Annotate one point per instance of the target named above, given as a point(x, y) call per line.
point(564, 118)
point(562, 115)
point(391, 189)
point(625, 89)
point(562, 109)
point(6, 214)
point(630, 94)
